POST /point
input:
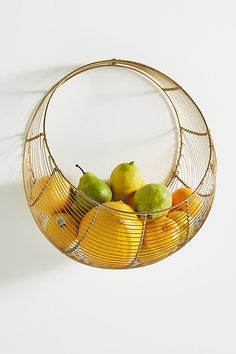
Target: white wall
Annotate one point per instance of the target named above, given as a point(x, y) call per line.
point(49, 303)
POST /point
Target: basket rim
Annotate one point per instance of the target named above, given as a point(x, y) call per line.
point(125, 64)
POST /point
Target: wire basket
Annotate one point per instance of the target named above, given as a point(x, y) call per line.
point(107, 237)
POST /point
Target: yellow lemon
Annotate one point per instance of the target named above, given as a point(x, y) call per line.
point(182, 220)
point(51, 194)
point(148, 255)
point(161, 237)
point(110, 238)
point(62, 230)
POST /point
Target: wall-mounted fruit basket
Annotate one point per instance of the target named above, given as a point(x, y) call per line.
point(112, 235)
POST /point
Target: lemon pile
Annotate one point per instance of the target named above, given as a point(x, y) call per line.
point(139, 224)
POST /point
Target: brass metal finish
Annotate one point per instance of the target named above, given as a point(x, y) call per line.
point(112, 238)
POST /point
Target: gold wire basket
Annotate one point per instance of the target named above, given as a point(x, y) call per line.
point(110, 238)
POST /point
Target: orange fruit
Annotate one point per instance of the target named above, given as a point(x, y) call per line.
point(193, 204)
point(62, 230)
point(110, 238)
point(51, 194)
point(161, 237)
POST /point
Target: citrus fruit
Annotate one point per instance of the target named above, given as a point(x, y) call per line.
point(110, 238)
point(193, 205)
point(62, 230)
point(182, 220)
point(50, 194)
point(161, 237)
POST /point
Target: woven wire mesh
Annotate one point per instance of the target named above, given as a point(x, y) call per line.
point(107, 237)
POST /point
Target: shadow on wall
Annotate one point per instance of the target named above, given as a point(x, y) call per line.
point(19, 95)
point(24, 251)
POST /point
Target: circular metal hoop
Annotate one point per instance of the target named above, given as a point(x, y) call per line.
point(106, 237)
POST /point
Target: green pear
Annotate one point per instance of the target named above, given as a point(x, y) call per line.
point(93, 187)
point(153, 198)
point(125, 180)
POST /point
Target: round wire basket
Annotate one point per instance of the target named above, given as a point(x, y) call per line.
point(104, 236)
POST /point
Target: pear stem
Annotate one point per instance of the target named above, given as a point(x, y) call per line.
point(80, 169)
point(131, 163)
